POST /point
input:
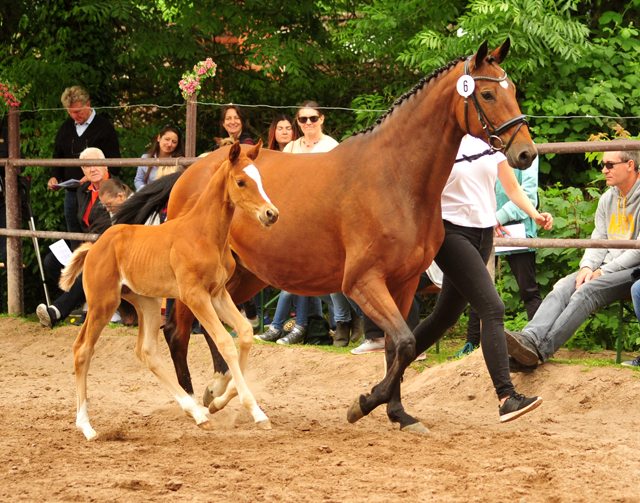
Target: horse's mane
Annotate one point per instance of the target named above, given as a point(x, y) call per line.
point(149, 201)
point(423, 82)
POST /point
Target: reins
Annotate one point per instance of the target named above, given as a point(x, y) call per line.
point(493, 134)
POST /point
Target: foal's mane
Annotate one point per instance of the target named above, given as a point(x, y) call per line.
point(423, 82)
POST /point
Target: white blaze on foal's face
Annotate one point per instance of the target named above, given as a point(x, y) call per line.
point(253, 172)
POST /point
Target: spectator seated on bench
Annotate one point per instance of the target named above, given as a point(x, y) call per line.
point(605, 275)
point(89, 210)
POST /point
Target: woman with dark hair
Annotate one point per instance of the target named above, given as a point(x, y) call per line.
point(233, 122)
point(281, 132)
point(169, 143)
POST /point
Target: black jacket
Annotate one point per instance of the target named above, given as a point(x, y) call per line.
point(83, 199)
point(69, 145)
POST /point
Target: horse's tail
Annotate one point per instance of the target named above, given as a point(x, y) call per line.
point(74, 267)
point(150, 201)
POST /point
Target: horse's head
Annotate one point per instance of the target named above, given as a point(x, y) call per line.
point(245, 185)
point(490, 110)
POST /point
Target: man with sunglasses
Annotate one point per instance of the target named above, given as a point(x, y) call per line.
point(605, 275)
point(83, 129)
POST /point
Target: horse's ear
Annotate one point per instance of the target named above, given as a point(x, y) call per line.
point(234, 152)
point(480, 56)
point(500, 54)
point(253, 152)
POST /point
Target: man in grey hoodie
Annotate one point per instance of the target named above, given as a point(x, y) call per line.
point(604, 276)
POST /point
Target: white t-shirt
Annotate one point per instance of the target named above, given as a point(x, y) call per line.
point(469, 197)
point(325, 144)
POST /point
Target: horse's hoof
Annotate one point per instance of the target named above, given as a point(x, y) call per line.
point(355, 411)
point(265, 424)
point(416, 428)
point(207, 397)
point(205, 425)
point(212, 408)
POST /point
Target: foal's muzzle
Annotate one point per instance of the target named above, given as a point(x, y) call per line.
point(269, 216)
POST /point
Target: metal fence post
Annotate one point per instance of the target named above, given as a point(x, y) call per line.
point(15, 297)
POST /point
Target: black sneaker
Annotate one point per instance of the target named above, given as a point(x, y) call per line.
point(47, 316)
point(517, 405)
point(521, 348)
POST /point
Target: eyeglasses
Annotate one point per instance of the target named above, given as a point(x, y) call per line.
point(610, 165)
point(313, 119)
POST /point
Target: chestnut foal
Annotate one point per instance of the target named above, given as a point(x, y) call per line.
point(187, 258)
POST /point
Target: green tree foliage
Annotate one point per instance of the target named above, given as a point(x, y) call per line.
point(576, 58)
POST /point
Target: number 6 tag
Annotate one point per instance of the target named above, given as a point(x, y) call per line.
point(466, 85)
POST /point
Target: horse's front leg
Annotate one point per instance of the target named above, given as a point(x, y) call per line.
point(375, 300)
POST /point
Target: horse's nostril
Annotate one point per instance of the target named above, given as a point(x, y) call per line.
point(269, 214)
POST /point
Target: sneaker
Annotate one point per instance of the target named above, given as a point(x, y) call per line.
point(633, 363)
point(296, 336)
point(467, 349)
point(521, 348)
point(515, 366)
point(78, 322)
point(47, 316)
point(517, 405)
point(369, 346)
point(271, 335)
point(421, 357)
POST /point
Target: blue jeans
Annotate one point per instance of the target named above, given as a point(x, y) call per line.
point(283, 309)
point(635, 297)
point(565, 308)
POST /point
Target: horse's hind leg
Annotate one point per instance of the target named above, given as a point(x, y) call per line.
point(203, 309)
point(147, 351)
point(98, 316)
point(177, 333)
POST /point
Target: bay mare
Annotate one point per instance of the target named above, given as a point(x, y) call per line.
point(364, 218)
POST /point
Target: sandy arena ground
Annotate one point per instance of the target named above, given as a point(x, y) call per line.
point(580, 446)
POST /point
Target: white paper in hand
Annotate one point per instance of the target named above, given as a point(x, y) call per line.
point(517, 231)
point(61, 251)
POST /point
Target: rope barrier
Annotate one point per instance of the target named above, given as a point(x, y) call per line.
point(344, 109)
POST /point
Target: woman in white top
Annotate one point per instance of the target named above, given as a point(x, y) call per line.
point(168, 144)
point(469, 214)
point(310, 120)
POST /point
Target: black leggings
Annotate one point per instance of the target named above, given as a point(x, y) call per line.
point(463, 257)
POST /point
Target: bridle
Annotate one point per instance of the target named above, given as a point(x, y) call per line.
point(493, 133)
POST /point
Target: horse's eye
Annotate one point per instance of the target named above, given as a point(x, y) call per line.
point(241, 183)
point(487, 95)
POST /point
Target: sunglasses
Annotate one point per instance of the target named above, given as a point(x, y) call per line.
point(610, 165)
point(313, 119)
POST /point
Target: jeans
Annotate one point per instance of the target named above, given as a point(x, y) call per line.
point(283, 309)
point(523, 267)
point(462, 258)
point(565, 308)
point(635, 297)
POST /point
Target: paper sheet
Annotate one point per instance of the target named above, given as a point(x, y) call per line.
point(61, 251)
point(517, 231)
point(68, 184)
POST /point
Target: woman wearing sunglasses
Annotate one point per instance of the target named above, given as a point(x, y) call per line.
point(310, 119)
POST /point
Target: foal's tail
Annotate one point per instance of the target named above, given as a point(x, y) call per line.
point(74, 267)
point(150, 201)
